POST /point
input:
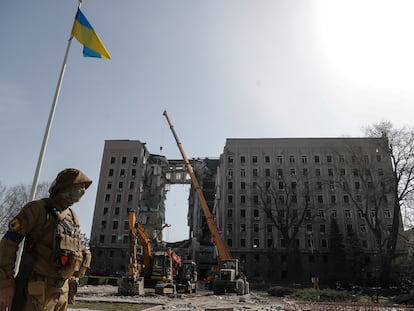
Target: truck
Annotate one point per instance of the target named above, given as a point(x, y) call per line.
point(230, 279)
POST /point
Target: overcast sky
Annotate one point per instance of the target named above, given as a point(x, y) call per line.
point(222, 69)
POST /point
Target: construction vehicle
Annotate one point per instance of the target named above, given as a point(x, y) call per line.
point(230, 279)
point(186, 277)
point(153, 270)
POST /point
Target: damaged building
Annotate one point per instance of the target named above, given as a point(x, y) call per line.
point(255, 186)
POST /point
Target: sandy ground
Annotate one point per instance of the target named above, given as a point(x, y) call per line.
point(202, 300)
point(205, 300)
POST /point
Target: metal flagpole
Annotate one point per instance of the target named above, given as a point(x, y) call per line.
point(49, 123)
point(44, 143)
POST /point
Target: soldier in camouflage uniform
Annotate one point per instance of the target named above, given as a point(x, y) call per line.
point(53, 254)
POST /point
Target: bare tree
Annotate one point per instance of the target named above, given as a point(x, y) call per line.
point(12, 199)
point(287, 203)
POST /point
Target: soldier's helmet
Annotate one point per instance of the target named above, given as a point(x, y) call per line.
point(67, 178)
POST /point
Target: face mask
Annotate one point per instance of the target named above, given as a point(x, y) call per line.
point(72, 195)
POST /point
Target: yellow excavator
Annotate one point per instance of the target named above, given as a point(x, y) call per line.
point(154, 269)
point(230, 279)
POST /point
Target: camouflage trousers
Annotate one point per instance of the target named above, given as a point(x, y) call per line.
point(46, 296)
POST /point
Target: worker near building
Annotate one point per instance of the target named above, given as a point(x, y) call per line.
point(53, 257)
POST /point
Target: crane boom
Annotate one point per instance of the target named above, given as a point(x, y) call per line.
point(221, 245)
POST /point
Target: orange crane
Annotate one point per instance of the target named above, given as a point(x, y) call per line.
point(230, 279)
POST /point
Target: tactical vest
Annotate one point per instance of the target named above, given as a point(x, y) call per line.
point(71, 253)
point(66, 255)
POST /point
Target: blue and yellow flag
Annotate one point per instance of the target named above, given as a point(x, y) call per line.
point(84, 33)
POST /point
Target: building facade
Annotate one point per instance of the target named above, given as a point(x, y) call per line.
point(272, 193)
point(130, 178)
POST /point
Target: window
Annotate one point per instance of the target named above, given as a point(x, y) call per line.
point(267, 172)
point(118, 198)
point(256, 227)
point(291, 159)
point(256, 213)
point(318, 172)
point(116, 211)
point(133, 172)
point(346, 199)
point(230, 160)
point(113, 160)
point(333, 213)
point(324, 243)
point(305, 172)
point(329, 158)
point(309, 228)
point(321, 213)
point(134, 160)
point(229, 242)
point(113, 240)
point(242, 227)
point(230, 185)
point(254, 159)
point(256, 243)
point(120, 185)
point(109, 186)
point(115, 225)
point(229, 198)
point(230, 213)
point(341, 158)
point(342, 172)
point(111, 172)
point(304, 159)
point(279, 173)
point(242, 242)
point(243, 185)
point(380, 172)
point(320, 199)
point(122, 173)
point(349, 228)
point(317, 160)
point(267, 159)
point(242, 173)
point(363, 228)
point(269, 228)
point(292, 172)
point(256, 199)
point(333, 199)
point(378, 158)
point(130, 197)
point(387, 213)
point(242, 199)
point(255, 174)
point(347, 213)
point(229, 173)
point(229, 228)
point(131, 185)
point(330, 172)
point(243, 213)
point(357, 185)
point(105, 210)
point(366, 159)
point(279, 159)
point(107, 197)
point(322, 228)
point(242, 159)
point(123, 160)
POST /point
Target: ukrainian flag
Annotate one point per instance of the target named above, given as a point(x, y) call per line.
point(84, 33)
